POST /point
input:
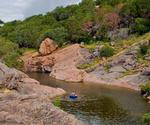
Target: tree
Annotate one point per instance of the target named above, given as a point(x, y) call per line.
point(107, 19)
point(112, 20)
point(60, 14)
point(142, 25)
point(137, 8)
point(9, 53)
point(75, 30)
point(59, 35)
point(109, 2)
point(1, 22)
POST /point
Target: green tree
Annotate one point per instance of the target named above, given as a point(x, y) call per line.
point(9, 53)
point(61, 13)
point(1, 22)
point(59, 35)
point(75, 31)
point(109, 2)
point(142, 25)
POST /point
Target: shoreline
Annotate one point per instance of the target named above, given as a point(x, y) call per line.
point(25, 101)
point(97, 82)
point(62, 65)
point(114, 84)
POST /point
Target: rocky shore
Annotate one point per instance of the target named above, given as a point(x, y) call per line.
point(124, 70)
point(23, 101)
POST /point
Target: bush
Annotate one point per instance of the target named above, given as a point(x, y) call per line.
point(142, 25)
point(146, 118)
point(107, 51)
point(146, 87)
point(12, 60)
point(6, 46)
point(60, 14)
point(144, 49)
point(57, 102)
point(9, 53)
point(59, 35)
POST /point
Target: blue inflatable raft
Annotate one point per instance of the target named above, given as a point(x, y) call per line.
point(73, 96)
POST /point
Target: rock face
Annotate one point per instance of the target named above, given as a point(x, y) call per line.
point(40, 64)
point(65, 65)
point(23, 101)
point(123, 70)
point(47, 47)
point(61, 64)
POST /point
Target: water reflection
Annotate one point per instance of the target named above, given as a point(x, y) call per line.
point(104, 109)
point(100, 105)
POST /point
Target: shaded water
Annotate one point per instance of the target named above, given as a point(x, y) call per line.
point(99, 104)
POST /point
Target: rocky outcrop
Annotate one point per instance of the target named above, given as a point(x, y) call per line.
point(47, 46)
point(123, 70)
point(65, 65)
point(23, 101)
point(61, 64)
point(40, 64)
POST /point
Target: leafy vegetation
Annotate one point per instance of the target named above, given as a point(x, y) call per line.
point(91, 21)
point(57, 102)
point(9, 52)
point(146, 87)
point(95, 62)
point(59, 34)
point(1, 22)
point(142, 25)
point(144, 49)
point(107, 51)
point(146, 118)
point(80, 23)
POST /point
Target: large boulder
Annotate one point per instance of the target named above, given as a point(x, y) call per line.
point(47, 46)
point(61, 64)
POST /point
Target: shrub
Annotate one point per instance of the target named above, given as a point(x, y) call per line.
point(12, 60)
point(57, 102)
point(146, 118)
point(9, 53)
point(6, 46)
point(59, 35)
point(144, 49)
point(146, 87)
point(107, 51)
point(142, 25)
point(60, 14)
